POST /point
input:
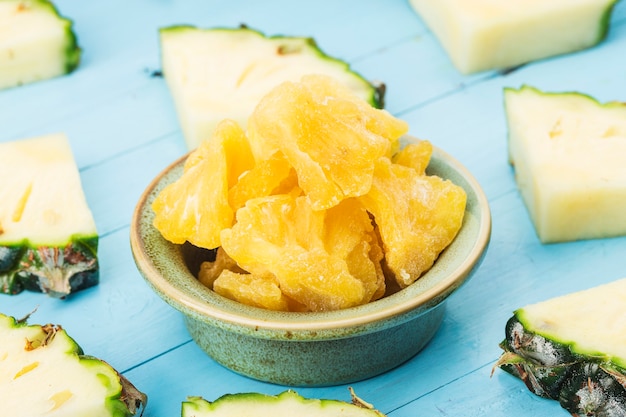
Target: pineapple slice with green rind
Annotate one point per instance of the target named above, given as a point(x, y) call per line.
point(573, 349)
point(285, 404)
point(481, 35)
point(44, 372)
point(36, 44)
point(222, 73)
point(48, 237)
point(568, 153)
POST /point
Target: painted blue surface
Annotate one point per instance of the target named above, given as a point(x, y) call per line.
point(123, 131)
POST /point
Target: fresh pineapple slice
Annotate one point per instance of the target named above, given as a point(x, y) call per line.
point(492, 34)
point(286, 404)
point(573, 349)
point(568, 152)
point(48, 238)
point(36, 42)
point(215, 74)
point(44, 372)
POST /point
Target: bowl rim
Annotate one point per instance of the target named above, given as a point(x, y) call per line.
point(238, 315)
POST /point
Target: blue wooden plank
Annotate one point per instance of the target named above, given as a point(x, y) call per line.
point(477, 395)
point(113, 187)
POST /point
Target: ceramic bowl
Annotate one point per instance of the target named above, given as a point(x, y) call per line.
point(312, 349)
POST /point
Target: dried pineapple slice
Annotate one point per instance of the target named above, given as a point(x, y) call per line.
point(328, 135)
point(415, 155)
point(260, 291)
point(417, 215)
point(282, 235)
point(349, 234)
point(262, 180)
point(208, 172)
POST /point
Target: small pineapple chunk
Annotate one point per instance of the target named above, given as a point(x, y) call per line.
point(415, 155)
point(262, 180)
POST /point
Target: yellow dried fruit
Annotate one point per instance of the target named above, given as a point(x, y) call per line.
point(417, 216)
point(195, 208)
point(313, 208)
point(327, 134)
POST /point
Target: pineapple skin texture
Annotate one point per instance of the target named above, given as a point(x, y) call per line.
point(567, 151)
point(48, 237)
point(571, 349)
point(481, 35)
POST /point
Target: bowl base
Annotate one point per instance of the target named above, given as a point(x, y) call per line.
point(322, 363)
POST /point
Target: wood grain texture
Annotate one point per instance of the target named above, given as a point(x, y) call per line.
point(123, 130)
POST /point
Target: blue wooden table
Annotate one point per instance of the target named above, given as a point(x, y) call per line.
point(123, 130)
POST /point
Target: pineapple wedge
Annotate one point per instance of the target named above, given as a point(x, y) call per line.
point(286, 404)
point(573, 349)
point(48, 238)
point(216, 74)
point(36, 43)
point(43, 372)
point(568, 151)
point(480, 35)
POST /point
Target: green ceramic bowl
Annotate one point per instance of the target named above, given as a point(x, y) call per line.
point(312, 349)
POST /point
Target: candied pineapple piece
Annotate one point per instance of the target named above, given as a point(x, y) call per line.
point(328, 135)
point(349, 234)
point(283, 236)
point(415, 155)
point(262, 180)
point(195, 208)
point(209, 271)
point(252, 290)
point(417, 216)
point(319, 280)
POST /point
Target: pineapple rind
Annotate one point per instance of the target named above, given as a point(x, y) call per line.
point(34, 268)
point(577, 374)
point(285, 404)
